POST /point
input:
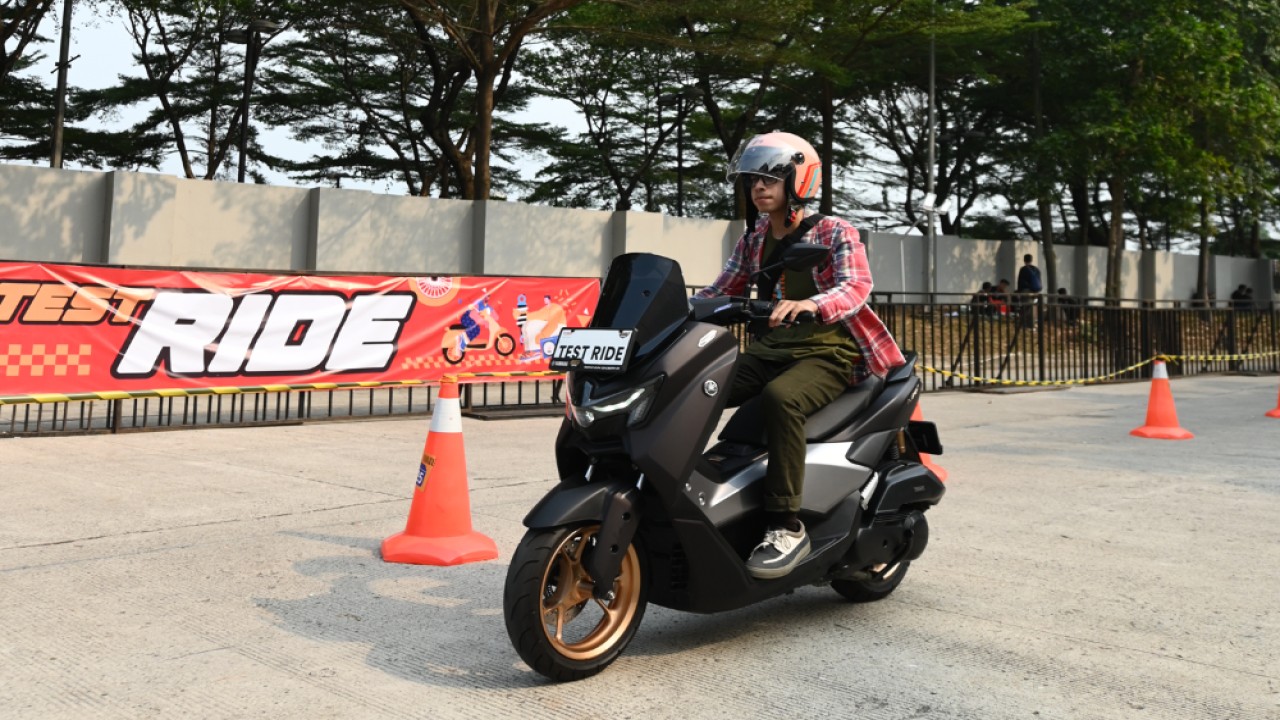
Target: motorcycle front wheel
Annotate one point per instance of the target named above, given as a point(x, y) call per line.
point(554, 620)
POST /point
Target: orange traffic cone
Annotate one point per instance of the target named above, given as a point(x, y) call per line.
point(439, 528)
point(1275, 413)
point(925, 459)
point(1162, 416)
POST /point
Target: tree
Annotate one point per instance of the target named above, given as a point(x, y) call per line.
point(487, 35)
point(1149, 99)
point(363, 88)
point(616, 90)
point(191, 74)
point(26, 106)
point(19, 28)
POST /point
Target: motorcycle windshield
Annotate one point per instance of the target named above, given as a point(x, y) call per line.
point(646, 293)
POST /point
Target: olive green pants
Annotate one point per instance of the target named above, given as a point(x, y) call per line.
point(790, 392)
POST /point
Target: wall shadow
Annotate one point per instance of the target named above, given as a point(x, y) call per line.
point(52, 215)
point(444, 626)
point(438, 626)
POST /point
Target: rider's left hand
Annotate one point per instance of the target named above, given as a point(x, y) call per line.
point(786, 310)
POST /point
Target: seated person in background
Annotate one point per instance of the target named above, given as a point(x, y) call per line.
point(980, 302)
point(1068, 306)
point(1000, 298)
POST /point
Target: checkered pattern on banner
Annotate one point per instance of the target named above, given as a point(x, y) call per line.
point(45, 360)
point(473, 362)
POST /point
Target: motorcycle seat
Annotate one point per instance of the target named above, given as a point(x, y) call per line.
point(747, 424)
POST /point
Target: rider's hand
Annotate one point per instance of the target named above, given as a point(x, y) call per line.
point(786, 310)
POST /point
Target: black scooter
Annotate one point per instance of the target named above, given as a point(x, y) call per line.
point(641, 514)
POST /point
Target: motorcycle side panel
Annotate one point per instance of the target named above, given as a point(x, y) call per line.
point(828, 479)
point(890, 411)
point(907, 484)
point(714, 577)
point(868, 451)
point(699, 374)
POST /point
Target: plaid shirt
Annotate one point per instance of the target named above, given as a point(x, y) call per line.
point(843, 280)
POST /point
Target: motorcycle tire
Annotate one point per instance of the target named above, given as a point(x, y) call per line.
point(871, 590)
point(505, 344)
point(453, 355)
point(555, 624)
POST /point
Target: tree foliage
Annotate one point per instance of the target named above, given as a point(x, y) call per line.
point(1153, 124)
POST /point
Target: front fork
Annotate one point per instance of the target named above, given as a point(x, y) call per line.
point(619, 520)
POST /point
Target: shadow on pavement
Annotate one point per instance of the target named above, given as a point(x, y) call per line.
point(444, 626)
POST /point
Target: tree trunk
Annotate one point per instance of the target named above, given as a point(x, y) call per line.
point(484, 140)
point(1202, 267)
point(485, 78)
point(1079, 189)
point(1043, 201)
point(826, 150)
point(1115, 239)
point(1046, 245)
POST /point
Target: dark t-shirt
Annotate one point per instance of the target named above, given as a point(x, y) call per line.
point(1029, 279)
point(803, 340)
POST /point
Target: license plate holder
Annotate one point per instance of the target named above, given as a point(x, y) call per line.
point(593, 350)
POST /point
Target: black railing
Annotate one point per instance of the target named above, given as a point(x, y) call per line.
point(961, 344)
point(966, 342)
point(272, 408)
point(1050, 340)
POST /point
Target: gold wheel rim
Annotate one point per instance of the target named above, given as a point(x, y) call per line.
point(567, 591)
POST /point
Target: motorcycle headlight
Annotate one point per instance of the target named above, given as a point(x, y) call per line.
point(634, 403)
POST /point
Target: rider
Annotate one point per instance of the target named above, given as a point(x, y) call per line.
point(797, 369)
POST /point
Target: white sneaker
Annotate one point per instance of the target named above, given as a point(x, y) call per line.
point(779, 554)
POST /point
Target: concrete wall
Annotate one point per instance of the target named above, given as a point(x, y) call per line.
point(963, 265)
point(363, 232)
point(1185, 271)
point(148, 219)
point(51, 215)
point(524, 239)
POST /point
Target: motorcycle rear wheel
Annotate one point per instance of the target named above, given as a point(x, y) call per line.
point(555, 623)
point(871, 590)
point(453, 354)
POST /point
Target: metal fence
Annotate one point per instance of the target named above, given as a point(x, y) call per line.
point(967, 343)
point(487, 399)
point(961, 343)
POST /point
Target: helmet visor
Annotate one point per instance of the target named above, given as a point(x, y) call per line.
point(768, 160)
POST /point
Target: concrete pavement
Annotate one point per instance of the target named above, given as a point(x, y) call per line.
point(1073, 572)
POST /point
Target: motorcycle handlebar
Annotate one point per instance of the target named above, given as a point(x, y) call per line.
point(735, 308)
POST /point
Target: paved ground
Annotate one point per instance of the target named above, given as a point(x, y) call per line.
point(1074, 572)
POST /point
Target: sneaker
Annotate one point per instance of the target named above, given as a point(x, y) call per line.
point(779, 554)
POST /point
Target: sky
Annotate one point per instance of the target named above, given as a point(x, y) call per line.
point(102, 51)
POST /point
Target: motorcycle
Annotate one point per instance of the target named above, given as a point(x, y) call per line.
point(470, 334)
point(643, 515)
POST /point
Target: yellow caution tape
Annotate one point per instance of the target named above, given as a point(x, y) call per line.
point(455, 377)
point(1100, 378)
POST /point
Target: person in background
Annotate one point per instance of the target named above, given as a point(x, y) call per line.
point(980, 302)
point(1242, 298)
point(1000, 298)
point(1029, 285)
point(1068, 306)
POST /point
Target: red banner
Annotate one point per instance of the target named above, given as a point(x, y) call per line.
point(109, 332)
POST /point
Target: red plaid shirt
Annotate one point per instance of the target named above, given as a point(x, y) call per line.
point(843, 279)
